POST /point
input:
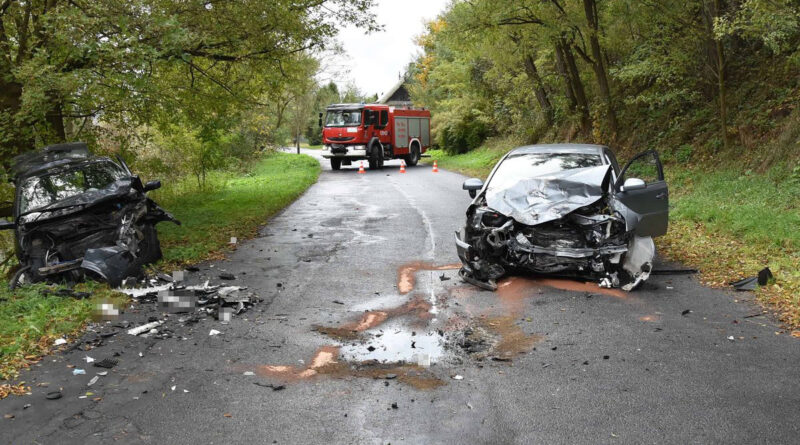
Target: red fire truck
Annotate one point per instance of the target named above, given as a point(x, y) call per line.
point(374, 132)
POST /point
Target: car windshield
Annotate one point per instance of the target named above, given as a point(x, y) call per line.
point(41, 191)
point(521, 166)
point(348, 118)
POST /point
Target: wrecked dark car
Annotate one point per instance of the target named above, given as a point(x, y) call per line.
point(77, 215)
point(566, 210)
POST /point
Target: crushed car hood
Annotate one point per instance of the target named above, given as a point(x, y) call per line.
point(537, 200)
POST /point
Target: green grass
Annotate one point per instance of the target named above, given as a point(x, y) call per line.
point(233, 204)
point(727, 223)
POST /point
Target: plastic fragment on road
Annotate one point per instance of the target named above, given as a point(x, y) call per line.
point(107, 363)
point(249, 373)
point(88, 359)
point(144, 328)
point(78, 371)
point(458, 377)
point(93, 380)
point(59, 341)
point(763, 277)
point(730, 337)
point(214, 332)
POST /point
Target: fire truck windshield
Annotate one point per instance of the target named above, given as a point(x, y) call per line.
point(347, 118)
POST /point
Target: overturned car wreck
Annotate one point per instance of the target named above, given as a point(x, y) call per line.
point(567, 210)
point(77, 215)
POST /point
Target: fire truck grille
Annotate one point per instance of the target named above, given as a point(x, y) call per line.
point(342, 139)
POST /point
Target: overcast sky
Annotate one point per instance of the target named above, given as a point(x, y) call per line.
point(374, 60)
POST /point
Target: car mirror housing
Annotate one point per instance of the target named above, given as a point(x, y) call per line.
point(472, 185)
point(7, 225)
point(633, 184)
point(152, 185)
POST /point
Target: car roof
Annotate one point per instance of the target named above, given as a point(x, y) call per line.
point(52, 157)
point(559, 148)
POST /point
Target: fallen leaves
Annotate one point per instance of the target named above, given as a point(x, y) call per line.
point(19, 389)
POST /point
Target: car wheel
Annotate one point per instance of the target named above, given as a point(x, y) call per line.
point(149, 246)
point(336, 164)
point(413, 158)
point(21, 277)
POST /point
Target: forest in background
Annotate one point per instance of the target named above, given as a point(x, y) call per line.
point(177, 88)
point(702, 81)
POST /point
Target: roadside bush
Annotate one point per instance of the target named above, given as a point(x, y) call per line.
point(464, 133)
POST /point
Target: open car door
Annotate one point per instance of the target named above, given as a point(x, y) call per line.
point(643, 194)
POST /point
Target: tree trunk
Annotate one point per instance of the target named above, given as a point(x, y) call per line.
point(17, 140)
point(538, 88)
point(577, 88)
point(561, 67)
point(55, 122)
point(590, 8)
point(720, 53)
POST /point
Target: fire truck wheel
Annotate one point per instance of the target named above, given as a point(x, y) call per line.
point(336, 164)
point(413, 158)
point(376, 157)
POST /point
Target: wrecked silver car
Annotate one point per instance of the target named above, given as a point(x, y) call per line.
point(568, 210)
point(76, 215)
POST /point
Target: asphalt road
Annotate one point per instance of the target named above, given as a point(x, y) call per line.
point(345, 276)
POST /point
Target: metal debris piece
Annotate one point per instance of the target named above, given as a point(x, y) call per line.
point(144, 328)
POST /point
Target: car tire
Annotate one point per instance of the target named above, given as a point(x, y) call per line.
point(150, 247)
point(413, 158)
point(336, 164)
point(20, 278)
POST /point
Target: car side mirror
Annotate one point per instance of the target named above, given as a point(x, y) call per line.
point(472, 185)
point(320, 120)
point(152, 185)
point(7, 225)
point(632, 184)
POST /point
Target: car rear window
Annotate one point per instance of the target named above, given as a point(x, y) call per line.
point(528, 165)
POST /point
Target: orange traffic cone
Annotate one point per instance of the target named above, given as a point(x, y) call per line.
point(435, 167)
point(361, 168)
point(402, 167)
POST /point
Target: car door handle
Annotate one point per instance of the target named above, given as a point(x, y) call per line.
point(661, 195)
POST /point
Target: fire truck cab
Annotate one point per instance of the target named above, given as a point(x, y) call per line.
point(375, 133)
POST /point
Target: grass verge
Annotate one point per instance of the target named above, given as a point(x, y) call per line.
point(233, 204)
point(726, 223)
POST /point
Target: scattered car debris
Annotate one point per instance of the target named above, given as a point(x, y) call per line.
point(107, 363)
point(78, 215)
point(93, 380)
point(686, 312)
point(458, 377)
point(53, 395)
point(214, 332)
point(674, 271)
point(762, 279)
point(270, 385)
point(563, 209)
point(144, 328)
point(78, 371)
point(59, 342)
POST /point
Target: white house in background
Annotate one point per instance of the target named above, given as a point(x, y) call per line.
point(397, 96)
